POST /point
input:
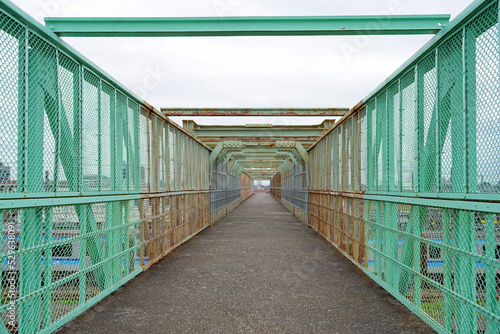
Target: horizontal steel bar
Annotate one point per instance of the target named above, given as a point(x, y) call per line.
point(91, 302)
point(7, 204)
point(438, 328)
point(450, 204)
point(212, 142)
point(246, 26)
point(18, 14)
point(254, 111)
point(456, 24)
point(492, 197)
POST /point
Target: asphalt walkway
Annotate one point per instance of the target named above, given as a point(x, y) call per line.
point(258, 270)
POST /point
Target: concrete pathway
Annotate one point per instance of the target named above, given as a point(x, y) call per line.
point(258, 270)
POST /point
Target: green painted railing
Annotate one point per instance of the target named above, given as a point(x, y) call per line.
point(95, 185)
point(408, 184)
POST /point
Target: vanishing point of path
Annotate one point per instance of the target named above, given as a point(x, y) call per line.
point(258, 270)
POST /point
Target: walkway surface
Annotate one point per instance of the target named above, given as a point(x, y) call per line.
point(259, 270)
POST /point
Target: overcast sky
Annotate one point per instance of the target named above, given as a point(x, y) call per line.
point(327, 71)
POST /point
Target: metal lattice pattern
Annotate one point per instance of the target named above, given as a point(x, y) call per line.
point(228, 190)
point(69, 135)
point(423, 221)
point(451, 127)
point(291, 190)
point(96, 185)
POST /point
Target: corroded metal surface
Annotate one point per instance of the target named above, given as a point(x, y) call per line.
point(327, 112)
point(259, 270)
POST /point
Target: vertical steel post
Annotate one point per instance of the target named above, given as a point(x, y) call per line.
point(23, 101)
point(390, 153)
point(47, 267)
point(113, 140)
point(78, 121)
point(447, 269)
point(128, 260)
point(120, 131)
point(391, 243)
point(133, 144)
point(416, 181)
point(99, 136)
point(378, 257)
point(438, 150)
point(490, 275)
point(400, 125)
point(387, 141)
point(376, 143)
point(420, 266)
point(82, 282)
point(369, 159)
point(465, 271)
point(108, 242)
point(470, 110)
point(30, 270)
point(459, 127)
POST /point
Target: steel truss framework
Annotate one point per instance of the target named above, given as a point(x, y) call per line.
point(96, 185)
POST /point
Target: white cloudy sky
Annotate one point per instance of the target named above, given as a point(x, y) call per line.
point(247, 71)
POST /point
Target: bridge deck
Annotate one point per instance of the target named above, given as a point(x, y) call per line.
point(259, 270)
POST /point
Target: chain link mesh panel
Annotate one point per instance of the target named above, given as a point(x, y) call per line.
point(12, 102)
point(448, 130)
point(430, 133)
point(69, 135)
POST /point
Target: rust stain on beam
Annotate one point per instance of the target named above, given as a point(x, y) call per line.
point(356, 109)
point(255, 111)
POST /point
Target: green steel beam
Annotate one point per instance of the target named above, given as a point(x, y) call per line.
point(258, 134)
point(253, 154)
point(266, 175)
point(246, 26)
point(221, 156)
point(289, 165)
point(258, 157)
point(262, 177)
point(215, 152)
point(240, 169)
point(327, 112)
point(231, 166)
point(213, 155)
point(295, 153)
point(259, 161)
point(292, 158)
point(274, 166)
point(302, 152)
point(263, 164)
point(457, 23)
point(228, 157)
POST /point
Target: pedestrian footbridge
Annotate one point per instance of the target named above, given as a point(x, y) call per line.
point(382, 219)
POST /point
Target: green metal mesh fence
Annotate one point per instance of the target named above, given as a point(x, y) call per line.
point(94, 186)
point(423, 219)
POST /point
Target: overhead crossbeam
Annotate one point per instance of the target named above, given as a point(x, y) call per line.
point(282, 156)
point(246, 26)
point(326, 112)
point(258, 134)
point(261, 174)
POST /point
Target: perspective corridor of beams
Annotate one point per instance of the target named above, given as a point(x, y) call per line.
point(259, 150)
point(96, 185)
